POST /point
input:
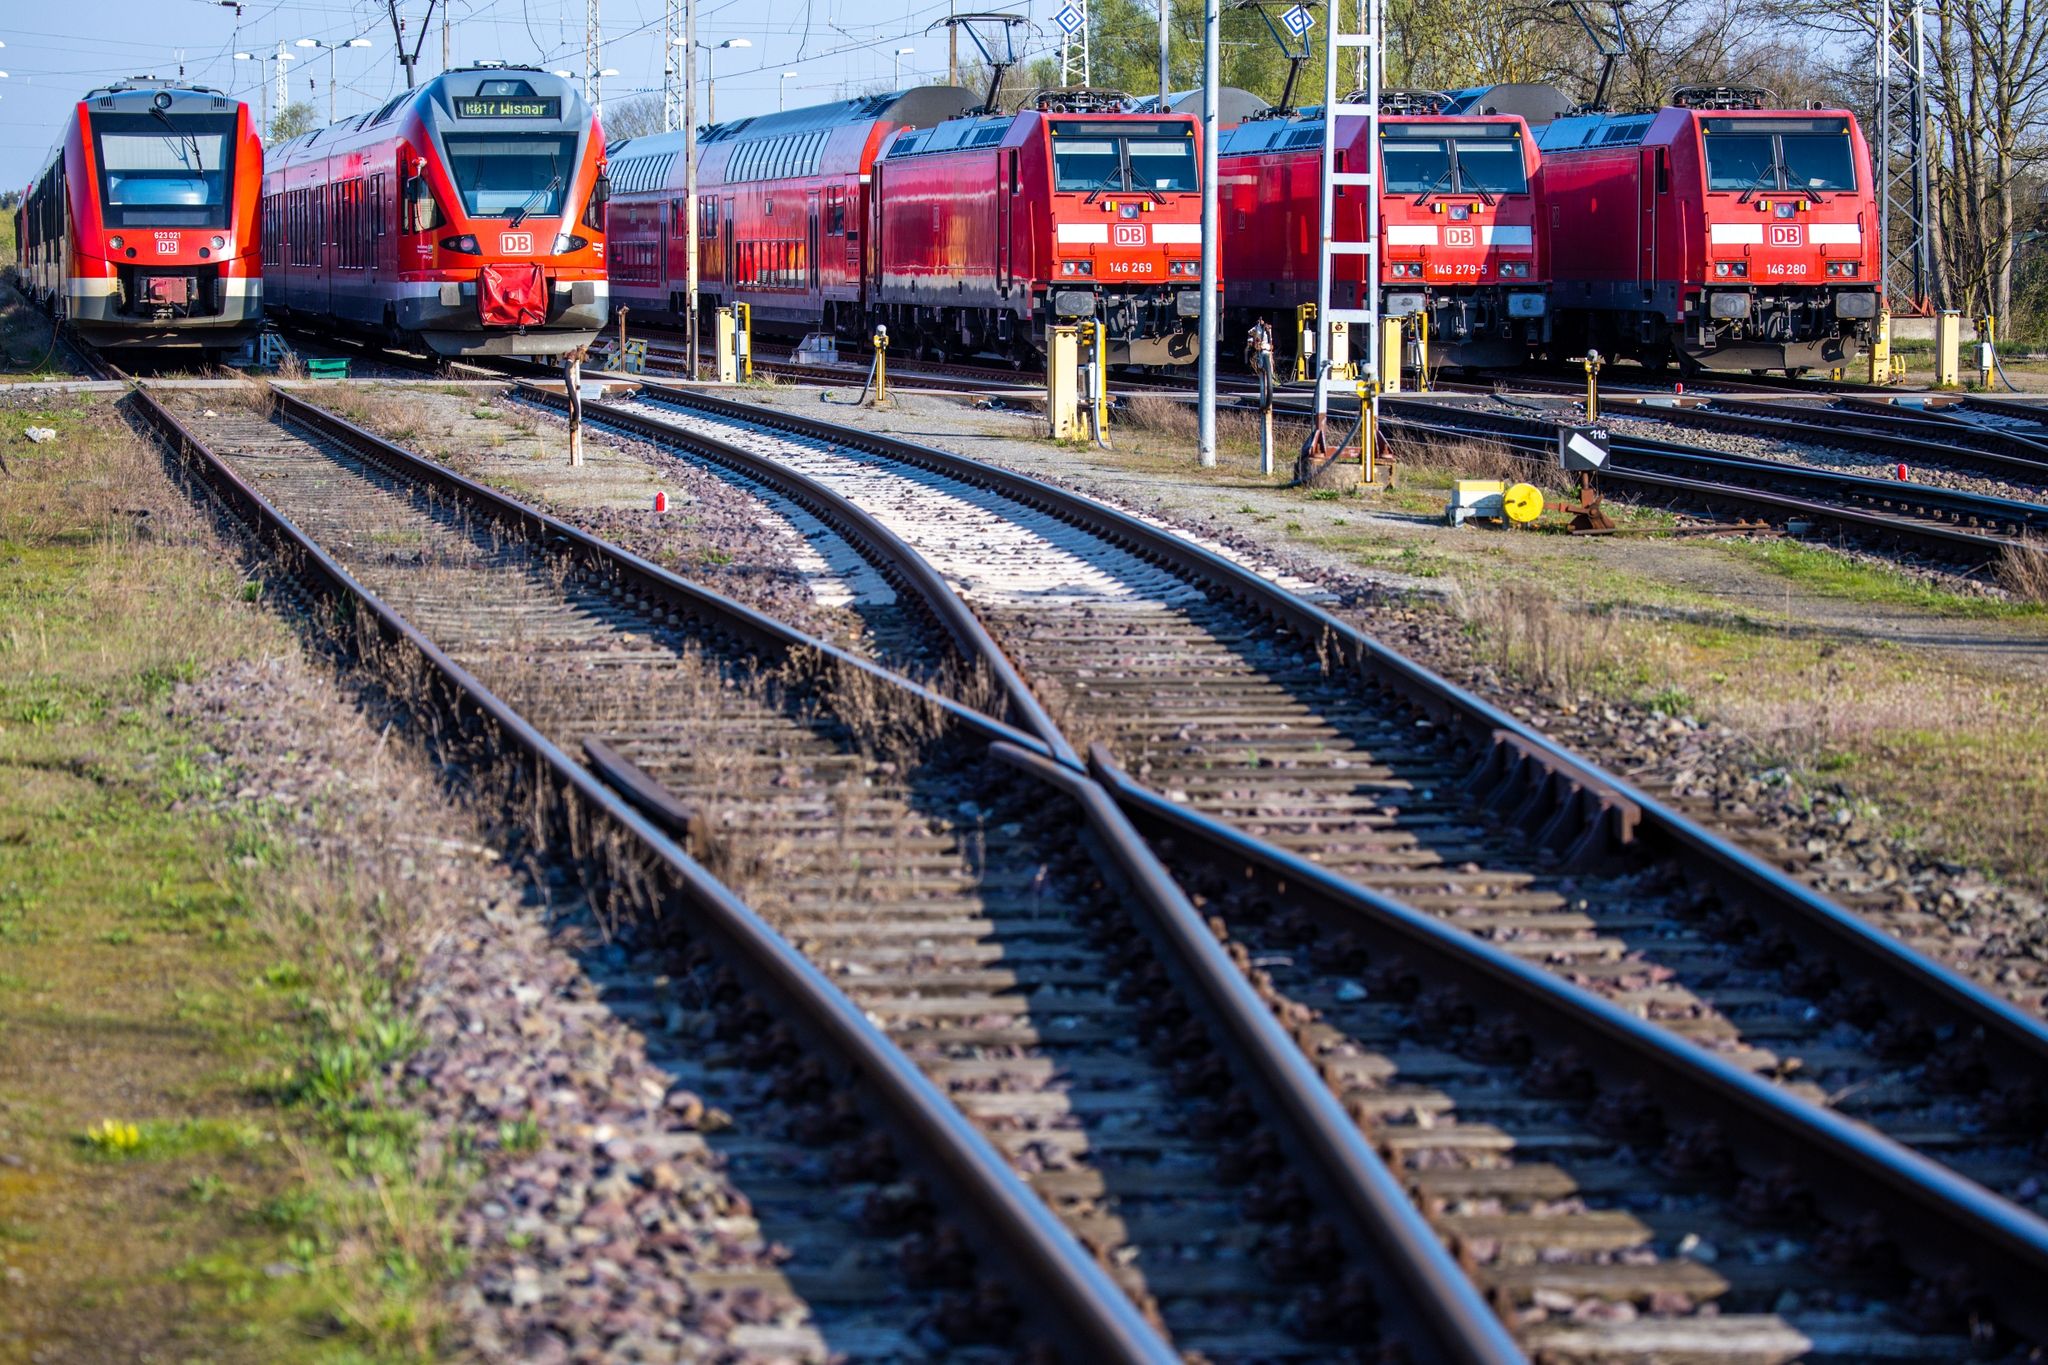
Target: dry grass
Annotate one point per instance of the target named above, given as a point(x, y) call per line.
point(1469, 460)
point(1526, 633)
point(1175, 421)
point(2023, 572)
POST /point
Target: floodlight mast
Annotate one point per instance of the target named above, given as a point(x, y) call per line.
point(1005, 28)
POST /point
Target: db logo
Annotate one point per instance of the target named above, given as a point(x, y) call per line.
point(166, 243)
point(1785, 234)
point(1130, 234)
point(1461, 236)
point(516, 243)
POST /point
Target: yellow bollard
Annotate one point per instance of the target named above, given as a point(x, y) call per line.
point(1948, 344)
point(1340, 352)
point(1881, 348)
point(1593, 363)
point(743, 339)
point(728, 366)
point(1390, 353)
point(1062, 382)
point(1987, 355)
point(1422, 351)
point(1304, 343)
point(1098, 373)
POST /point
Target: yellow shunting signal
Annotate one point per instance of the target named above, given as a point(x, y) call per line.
point(1523, 503)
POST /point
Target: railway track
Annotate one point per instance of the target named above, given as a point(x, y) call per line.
point(947, 898)
point(1955, 525)
point(1307, 816)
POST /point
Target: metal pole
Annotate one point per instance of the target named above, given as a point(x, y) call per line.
point(952, 48)
point(1212, 53)
point(1923, 201)
point(593, 39)
point(283, 95)
point(671, 89)
point(1165, 79)
point(690, 174)
point(330, 83)
point(711, 87)
point(1885, 134)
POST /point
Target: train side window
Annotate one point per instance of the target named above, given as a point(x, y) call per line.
point(1663, 171)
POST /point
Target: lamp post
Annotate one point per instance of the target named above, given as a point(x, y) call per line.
point(901, 53)
point(782, 91)
point(331, 49)
point(711, 75)
point(262, 92)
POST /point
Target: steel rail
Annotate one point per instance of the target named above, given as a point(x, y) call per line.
point(1438, 1308)
point(1894, 505)
point(1581, 804)
point(2009, 407)
point(1095, 1317)
point(1938, 1220)
point(877, 544)
point(1747, 417)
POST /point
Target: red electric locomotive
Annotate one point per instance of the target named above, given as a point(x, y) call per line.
point(1460, 226)
point(1719, 230)
point(466, 216)
point(783, 206)
point(991, 229)
point(140, 230)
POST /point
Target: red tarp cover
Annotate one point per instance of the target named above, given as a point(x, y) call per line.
point(511, 295)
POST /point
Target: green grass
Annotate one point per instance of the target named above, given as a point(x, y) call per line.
point(195, 1084)
point(1820, 570)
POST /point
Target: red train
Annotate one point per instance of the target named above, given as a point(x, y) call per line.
point(1460, 226)
point(963, 232)
point(466, 216)
point(1717, 230)
point(140, 230)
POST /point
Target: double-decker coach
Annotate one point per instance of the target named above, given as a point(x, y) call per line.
point(140, 230)
point(782, 216)
point(1718, 229)
point(466, 216)
point(1461, 240)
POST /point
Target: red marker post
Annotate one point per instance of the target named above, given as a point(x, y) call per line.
point(661, 499)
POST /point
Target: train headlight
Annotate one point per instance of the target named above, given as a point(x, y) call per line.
point(1842, 268)
point(1738, 270)
point(465, 244)
point(1077, 267)
point(1183, 267)
point(117, 241)
point(564, 243)
point(1407, 270)
point(219, 242)
point(1514, 270)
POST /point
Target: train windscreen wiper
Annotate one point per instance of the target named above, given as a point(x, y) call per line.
point(1771, 170)
point(184, 135)
point(554, 183)
point(1424, 197)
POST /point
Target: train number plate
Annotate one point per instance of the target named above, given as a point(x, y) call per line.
point(166, 243)
point(1130, 234)
point(1787, 234)
point(516, 243)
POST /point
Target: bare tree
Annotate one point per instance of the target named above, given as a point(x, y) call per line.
point(633, 116)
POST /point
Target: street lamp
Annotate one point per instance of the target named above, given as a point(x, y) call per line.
point(331, 49)
point(711, 75)
point(901, 53)
point(782, 91)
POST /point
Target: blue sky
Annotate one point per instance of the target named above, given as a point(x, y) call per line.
point(55, 52)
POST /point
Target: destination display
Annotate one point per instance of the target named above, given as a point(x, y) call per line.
point(509, 106)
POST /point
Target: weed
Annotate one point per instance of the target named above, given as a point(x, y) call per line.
point(41, 712)
point(520, 1136)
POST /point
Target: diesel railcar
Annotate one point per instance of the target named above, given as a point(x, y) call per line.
point(140, 230)
point(465, 216)
point(1461, 233)
point(1716, 230)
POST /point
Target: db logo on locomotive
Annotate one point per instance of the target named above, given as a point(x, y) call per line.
point(1785, 234)
point(1130, 234)
point(1461, 236)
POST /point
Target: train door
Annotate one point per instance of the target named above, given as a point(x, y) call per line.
point(1650, 173)
point(728, 274)
point(1005, 218)
point(811, 244)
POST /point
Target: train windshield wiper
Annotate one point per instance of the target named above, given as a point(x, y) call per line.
point(1758, 183)
point(184, 135)
point(554, 182)
point(1423, 197)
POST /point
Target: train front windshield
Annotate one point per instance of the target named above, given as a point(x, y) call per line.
point(1779, 154)
point(1088, 156)
point(168, 171)
point(502, 174)
point(1480, 158)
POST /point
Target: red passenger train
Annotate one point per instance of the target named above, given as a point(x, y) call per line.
point(1717, 230)
point(141, 230)
point(466, 216)
point(962, 232)
point(1461, 239)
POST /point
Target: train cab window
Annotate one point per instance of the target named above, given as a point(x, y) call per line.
point(1087, 164)
point(1416, 167)
point(1162, 163)
point(506, 174)
point(1778, 154)
point(1492, 167)
point(1089, 155)
point(163, 169)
